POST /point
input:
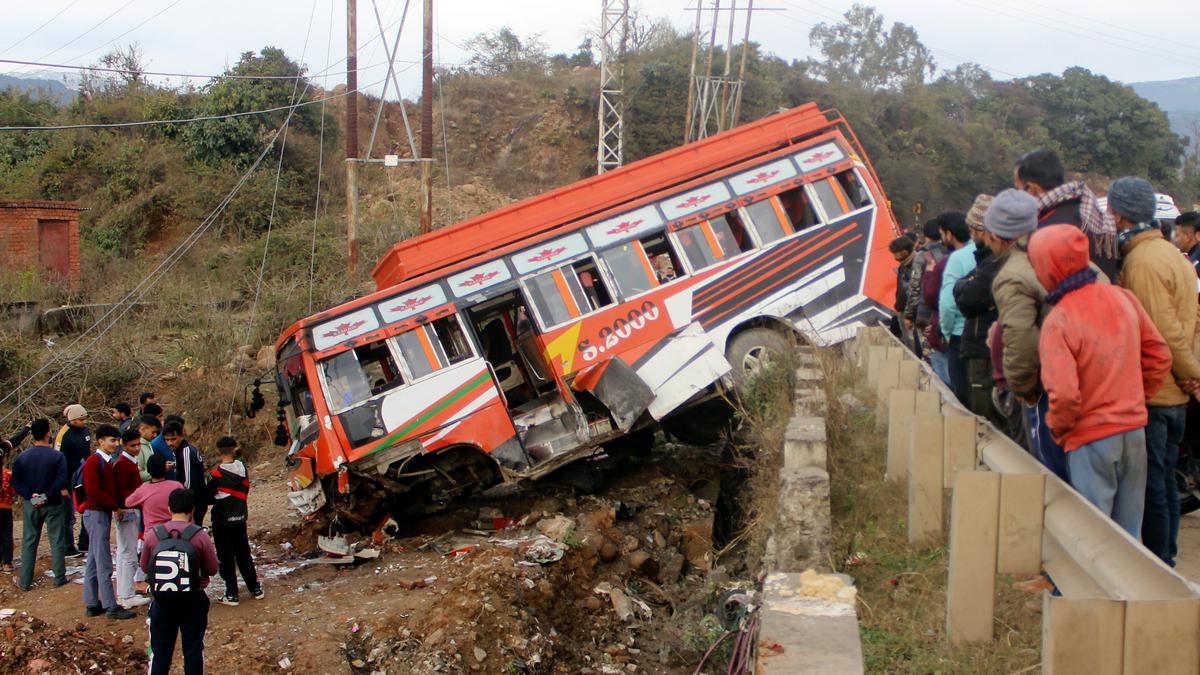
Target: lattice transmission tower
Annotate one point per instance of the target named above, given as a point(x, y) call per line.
point(614, 32)
point(715, 101)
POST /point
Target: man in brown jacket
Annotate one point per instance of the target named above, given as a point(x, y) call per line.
point(1008, 222)
point(1165, 283)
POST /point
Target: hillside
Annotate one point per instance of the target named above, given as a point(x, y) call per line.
point(39, 87)
point(1180, 99)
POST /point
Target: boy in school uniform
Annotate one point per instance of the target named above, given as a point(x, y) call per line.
point(100, 488)
point(229, 487)
point(127, 480)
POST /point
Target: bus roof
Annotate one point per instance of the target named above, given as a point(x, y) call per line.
point(460, 241)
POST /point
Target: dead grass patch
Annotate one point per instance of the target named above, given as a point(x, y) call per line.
point(902, 590)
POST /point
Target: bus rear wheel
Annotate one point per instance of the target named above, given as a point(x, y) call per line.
point(752, 350)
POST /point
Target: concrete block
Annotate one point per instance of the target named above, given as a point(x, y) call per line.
point(925, 510)
point(1162, 637)
point(889, 376)
point(900, 416)
point(1082, 636)
point(959, 446)
point(910, 374)
point(1022, 508)
point(818, 636)
point(876, 355)
point(971, 590)
point(804, 443)
point(802, 537)
point(928, 403)
point(809, 375)
point(810, 402)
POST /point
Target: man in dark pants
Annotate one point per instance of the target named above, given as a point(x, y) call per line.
point(183, 613)
point(39, 475)
point(74, 441)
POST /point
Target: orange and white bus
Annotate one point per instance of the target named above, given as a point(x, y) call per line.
point(504, 346)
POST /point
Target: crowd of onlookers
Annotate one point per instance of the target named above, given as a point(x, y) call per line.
point(140, 482)
point(1071, 327)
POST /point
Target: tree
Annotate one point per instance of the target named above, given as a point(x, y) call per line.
point(130, 61)
point(860, 51)
point(505, 52)
point(1104, 127)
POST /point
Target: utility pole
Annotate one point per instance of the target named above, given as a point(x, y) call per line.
point(427, 122)
point(716, 100)
point(614, 34)
point(351, 138)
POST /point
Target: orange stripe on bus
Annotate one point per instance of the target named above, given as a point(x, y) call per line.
point(645, 260)
point(784, 221)
point(839, 193)
point(561, 282)
point(706, 228)
point(427, 347)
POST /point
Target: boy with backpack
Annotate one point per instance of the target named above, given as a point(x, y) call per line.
point(178, 559)
point(228, 487)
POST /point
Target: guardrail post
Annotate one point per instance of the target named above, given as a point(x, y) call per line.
point(1022, 499)
point(971, 590)
point(1162, 637)
point(889, 378)
point(876, 355)
point(901, 409)
point(910, 373)
point(959, 445)
point(925, 471)
point(1082, 636)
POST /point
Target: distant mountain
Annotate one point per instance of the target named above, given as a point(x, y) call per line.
point(1180, 99)
point(39, 87)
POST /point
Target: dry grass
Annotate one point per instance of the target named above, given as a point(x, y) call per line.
point(902, 590)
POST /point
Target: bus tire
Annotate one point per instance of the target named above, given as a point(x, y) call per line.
point(752, 350)
point(702, 424)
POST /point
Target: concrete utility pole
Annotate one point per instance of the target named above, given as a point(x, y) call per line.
point(427, 122)
point(614, 33)
point(351, 137)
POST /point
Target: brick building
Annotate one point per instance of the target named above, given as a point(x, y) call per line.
point(42, 234)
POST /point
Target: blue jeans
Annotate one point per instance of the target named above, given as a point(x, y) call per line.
point(1160, 529)
point(1111, 473)
point(1041, 443)
point(97, 573)
point(957, 366)
point(940, 362)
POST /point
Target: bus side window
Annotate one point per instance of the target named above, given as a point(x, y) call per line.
point(420, 352)
point(798, 208)
point(855, 191)
point(832, 197)
point(454, 344)
point(663, 259)
point(731, 233)
point(595, 290)
point(631, 269)
point(357, 374)
point(769, 220)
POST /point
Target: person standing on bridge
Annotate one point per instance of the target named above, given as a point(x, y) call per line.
point(1102, 358)
point(930, 250)
point(957, 236)
point(1165, 283)
point(973, 295)
point(901, 249)
point(1187, 227)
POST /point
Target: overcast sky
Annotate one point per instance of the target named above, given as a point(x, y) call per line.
point(1147, 40)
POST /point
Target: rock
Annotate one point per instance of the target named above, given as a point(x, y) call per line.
point(557, 528)
point(435, 638)
point(671, 567)
point(641, 562)
point(697, 543)
point(480, 655)
point(608, 551)
point(592, 603)
point(468, 189)
point(38, 665)
point(850, 401)
point(265, 358)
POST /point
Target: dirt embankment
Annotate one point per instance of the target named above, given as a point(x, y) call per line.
point(632, 592)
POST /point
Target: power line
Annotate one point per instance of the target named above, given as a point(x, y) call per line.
point(94, 27)
point(203, 118)
point(46, 23)
point(152, 17)
point(126, 71)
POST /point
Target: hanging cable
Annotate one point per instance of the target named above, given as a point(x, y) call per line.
point(73, 40)
point(222, 76)
point(312, 254)
point(445, 137)
point(44, 24)
point(143, 23)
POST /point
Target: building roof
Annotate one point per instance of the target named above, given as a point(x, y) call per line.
point(39, 204)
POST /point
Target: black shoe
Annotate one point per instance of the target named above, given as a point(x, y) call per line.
point(72, 553)
point(120, 613)
point(58, 583)
point(95, 611)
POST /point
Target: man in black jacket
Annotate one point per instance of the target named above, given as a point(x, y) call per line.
point(39, 475)
point(973, 295)
point(901, 249)
point(74, 441)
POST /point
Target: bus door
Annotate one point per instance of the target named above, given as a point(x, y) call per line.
point(421, 389)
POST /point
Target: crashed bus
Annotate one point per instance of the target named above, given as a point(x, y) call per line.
point(505, 346)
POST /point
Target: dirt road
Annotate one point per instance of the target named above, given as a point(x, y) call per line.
point(488, 608)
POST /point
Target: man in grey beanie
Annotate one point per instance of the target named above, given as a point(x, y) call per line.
point(1165, 283)
point(1011, 218)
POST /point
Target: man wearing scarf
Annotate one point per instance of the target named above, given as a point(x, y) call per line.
point(1165, 283)
point(1042, 174)
point(1101, 358)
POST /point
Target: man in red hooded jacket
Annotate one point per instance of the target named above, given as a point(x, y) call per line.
point(1102, 357)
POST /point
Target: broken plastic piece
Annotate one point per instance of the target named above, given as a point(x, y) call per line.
point(336, 545)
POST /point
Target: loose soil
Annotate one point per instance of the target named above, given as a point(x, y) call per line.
point(644, 538)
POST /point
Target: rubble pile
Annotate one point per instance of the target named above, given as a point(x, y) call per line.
point(30, 645)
